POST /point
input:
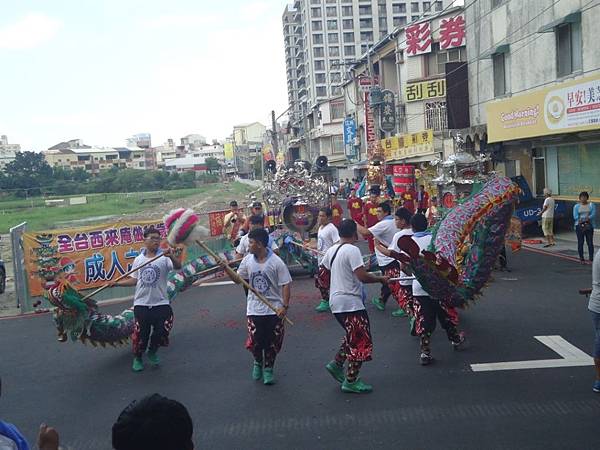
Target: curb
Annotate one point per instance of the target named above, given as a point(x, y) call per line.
point(549, 253)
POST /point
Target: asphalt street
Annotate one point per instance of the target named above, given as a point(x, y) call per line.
point(81, 390)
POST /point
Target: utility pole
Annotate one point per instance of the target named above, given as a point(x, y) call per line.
point(274, 134)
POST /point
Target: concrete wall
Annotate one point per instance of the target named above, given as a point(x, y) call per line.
point(531, 60)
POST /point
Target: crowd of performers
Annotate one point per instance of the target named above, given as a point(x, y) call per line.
point(340, 280)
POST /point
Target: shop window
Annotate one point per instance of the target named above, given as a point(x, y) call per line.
point(337, 110)
point(539, 175)
point(435, 62)
point(399, 21)
point(568, 48)
point(337, 146)
point(399, 8)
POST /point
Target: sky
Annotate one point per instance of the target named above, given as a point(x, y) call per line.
point(104, 70)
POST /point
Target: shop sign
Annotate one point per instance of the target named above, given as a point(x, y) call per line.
point(349, 137)
point(387, 112)
point(564, 108)
point(424, 90)
point(418, 39)
point(408, 145)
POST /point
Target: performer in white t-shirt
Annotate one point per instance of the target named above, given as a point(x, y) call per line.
point(243, 247)
point(402, 289)
point(347, 303)
point(383, 232)
point(269, 275)
point(151, 306)
point(326, 237)
point(428, 309)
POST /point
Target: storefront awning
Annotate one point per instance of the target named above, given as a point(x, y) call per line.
point(569, 18)
point(503, 48)
point(415, 159)
point(359, 165)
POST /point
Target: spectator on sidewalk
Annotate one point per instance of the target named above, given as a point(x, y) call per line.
point(547, 214)
point(153, 423)
point(594, 308)
point(584, 215)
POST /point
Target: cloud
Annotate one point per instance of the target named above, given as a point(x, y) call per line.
point(179, 20)
point(255, 10)
point(31, 31)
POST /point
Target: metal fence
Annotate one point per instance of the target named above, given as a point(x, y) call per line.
point(18, 258)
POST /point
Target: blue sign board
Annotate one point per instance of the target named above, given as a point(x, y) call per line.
point(531, 213)
point(349, 137)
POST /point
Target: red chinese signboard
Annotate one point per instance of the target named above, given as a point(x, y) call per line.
point(215, 221)
point(418, 39)
point(452, 32)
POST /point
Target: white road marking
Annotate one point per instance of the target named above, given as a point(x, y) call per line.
point(571, 357)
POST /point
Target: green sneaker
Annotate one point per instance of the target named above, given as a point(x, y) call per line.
point(358, 387)
point(268, 376)
point(138, 365)
point(257, 371)
point(399, 313)
point(323, 306)
point(336, 371)
point(378, 303)
point(153, 358)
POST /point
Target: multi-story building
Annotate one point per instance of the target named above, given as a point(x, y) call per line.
point(535, 92)
point(73, 154)
point(192, 142)
point(7, 151)
point(324, 37)
point(413, 66)
point(248, 140)
point(212, 151)
point(165, 152)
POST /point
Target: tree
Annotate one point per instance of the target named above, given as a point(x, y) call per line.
point(258, 169)
point(212, 165)
point(29, 171)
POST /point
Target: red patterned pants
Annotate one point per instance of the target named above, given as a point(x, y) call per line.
point(157, 320)
point(357, 344)
point(427, 310)
point(265, 334)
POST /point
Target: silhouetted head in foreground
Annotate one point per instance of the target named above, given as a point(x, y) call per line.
point(153, 423)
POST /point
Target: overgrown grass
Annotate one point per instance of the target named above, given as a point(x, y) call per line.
point(40, 217)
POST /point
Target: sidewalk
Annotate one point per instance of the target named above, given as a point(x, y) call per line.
point(566, 245)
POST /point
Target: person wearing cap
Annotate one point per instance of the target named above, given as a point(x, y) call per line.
point(233, 222)
point(256, 209)
point(547, 214)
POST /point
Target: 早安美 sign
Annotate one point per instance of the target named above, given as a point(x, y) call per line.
point(563, 108)
point(423, 90)
point(88, 257)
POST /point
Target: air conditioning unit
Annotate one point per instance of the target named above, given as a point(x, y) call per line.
point(399, 57)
